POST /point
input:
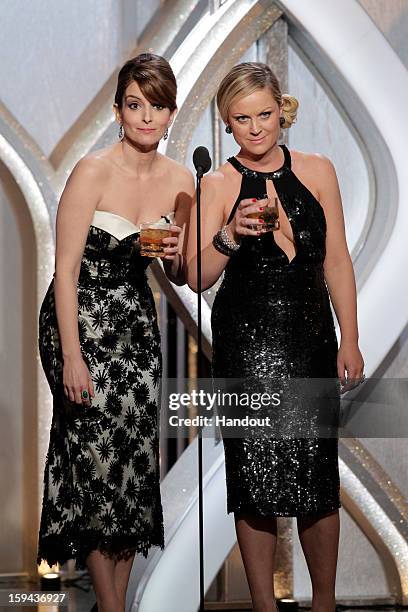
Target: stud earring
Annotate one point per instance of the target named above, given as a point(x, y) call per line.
point(228, 129)
point(121, 133)
point(282, 121)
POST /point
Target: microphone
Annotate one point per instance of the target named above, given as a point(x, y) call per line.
point(201, 161)
point(202, 164)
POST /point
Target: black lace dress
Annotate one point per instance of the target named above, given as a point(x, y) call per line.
point(271, 317)
point(101, 479)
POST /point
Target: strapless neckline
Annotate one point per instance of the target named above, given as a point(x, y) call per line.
point(118, 226)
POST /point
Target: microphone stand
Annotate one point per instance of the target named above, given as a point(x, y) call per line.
point(199, 374)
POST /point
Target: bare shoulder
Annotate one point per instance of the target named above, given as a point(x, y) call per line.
point(311, 163)
point(221, 177)
point(215, 181)
point(216, 189)
point(85, 185)
point(178, 172)
point(216, 177)
point(317, 172)
point(91, 167)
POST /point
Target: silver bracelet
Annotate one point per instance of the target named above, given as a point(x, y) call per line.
point(223, 243)
point(226, 240)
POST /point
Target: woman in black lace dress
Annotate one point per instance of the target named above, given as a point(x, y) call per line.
point(100, 345)
point(271, 317)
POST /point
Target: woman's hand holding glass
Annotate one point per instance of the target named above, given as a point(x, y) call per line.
point(241, 224)
point(172, 242)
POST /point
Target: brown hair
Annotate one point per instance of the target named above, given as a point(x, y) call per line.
point(154, 76)
point(243, 79)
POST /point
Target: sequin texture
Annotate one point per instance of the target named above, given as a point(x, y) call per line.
point(272, 317)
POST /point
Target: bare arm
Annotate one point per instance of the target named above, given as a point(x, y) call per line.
point(77, 205)
point(175, 261)
point(212, 219)
point(214, 211)
point(338, 269)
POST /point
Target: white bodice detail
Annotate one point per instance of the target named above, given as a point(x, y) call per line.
point(119, 226)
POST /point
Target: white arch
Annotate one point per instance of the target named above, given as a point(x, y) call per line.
point(19, 167)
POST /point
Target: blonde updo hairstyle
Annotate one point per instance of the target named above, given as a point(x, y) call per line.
point(243, 79)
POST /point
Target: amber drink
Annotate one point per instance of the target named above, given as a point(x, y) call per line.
point(151, 236)
point(269, 214)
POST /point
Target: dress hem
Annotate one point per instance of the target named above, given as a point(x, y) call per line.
point(257, 514)
point(60, 548)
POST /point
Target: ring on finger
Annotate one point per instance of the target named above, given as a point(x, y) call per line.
point(84, 394)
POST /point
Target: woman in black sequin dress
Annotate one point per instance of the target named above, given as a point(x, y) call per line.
point(271, 317)
point(98, 334)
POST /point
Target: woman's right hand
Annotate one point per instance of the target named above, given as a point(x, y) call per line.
point(241, 224)
point(76, 378)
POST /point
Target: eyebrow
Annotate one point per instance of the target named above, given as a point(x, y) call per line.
point(140, 99)
point(244, 115)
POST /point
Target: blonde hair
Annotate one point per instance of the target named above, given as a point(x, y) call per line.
point(243, 79)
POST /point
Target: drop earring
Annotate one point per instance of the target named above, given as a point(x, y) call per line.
point(228, 129)
point(282, 121)
point(121, 133)
point(166, 134)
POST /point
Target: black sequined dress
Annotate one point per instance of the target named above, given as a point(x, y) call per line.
point(272, 317)
point(101, 479)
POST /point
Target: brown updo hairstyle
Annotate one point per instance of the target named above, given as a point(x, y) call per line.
point(154, 76)
point(243, 79)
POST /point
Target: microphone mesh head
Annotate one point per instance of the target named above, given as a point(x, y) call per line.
point(202, 159)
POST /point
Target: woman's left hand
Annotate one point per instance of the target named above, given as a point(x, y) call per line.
point(173, 242)
point(350, 360)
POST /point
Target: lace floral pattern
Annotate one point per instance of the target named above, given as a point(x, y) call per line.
point(101, 478)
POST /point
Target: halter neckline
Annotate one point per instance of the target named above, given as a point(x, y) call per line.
point(257, 173)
